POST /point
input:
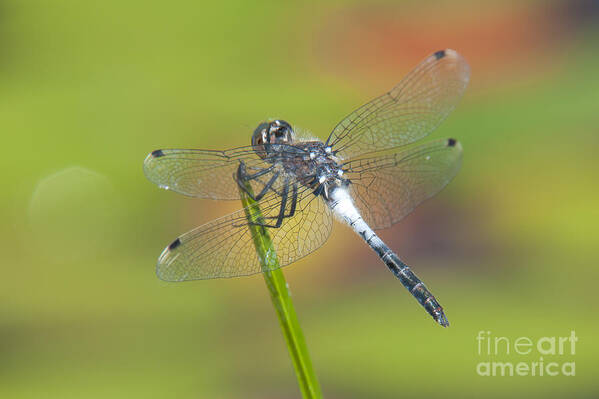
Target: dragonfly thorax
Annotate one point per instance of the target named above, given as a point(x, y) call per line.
point(312, 163)
point(315, 166)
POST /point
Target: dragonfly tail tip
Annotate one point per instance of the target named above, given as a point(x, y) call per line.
point(442, 320)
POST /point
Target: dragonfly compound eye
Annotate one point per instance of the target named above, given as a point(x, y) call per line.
point(260, 137)
point(281, 132)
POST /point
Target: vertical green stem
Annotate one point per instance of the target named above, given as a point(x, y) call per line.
point(279, 294)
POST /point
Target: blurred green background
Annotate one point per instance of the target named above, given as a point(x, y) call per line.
point(87, 89)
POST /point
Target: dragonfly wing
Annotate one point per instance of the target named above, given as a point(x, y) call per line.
point(225, 248)
point(206, 173)
point(387, 185)
point(407, 113)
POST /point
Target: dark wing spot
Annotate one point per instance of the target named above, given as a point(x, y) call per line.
point(157, 153)
point(174, 244)
point(451, 142)
point(439, 54)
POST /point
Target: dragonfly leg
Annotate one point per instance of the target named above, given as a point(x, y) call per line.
point(293, 201)
point(281, 215)
point(266, 187)
point(319, 190)
point(242, 177)
point(293, 205)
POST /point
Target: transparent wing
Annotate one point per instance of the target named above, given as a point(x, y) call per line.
point(225, 248)
point(208, 173)
point(409, 112)
point(387, 185)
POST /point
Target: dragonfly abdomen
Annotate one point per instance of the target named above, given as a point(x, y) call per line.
point(415, 286)
point(343, 206)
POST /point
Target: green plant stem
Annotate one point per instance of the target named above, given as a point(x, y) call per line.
point(279, 294)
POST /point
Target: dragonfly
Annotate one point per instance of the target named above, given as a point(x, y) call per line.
point(370, 173)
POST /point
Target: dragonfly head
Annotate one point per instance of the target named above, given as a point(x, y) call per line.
point(268, 134)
